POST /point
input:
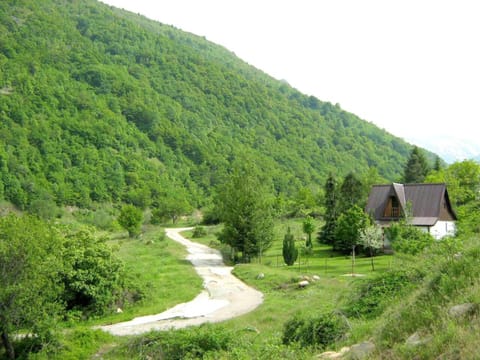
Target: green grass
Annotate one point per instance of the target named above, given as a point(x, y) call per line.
point(283, 298)
point(157, 264)
point(158, 267)
point(323, 261)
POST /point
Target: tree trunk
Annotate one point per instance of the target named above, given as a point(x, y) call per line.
point(371, 257)
point(353, 260)
point(8, 346)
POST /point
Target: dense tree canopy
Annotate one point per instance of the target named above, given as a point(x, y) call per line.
point(101, 105)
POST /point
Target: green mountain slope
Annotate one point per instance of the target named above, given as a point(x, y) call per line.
point(98, 104)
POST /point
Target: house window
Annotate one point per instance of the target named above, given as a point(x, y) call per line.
point(393, 208)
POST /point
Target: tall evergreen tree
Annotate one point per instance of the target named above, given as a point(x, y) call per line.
point(351, 193)
point(438, 164)
point(416, 168)
point(327, 233)
point(289, 250)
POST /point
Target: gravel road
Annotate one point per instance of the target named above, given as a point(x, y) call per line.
point(224, 296)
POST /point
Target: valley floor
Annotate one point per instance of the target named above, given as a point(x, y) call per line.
point(224, 296)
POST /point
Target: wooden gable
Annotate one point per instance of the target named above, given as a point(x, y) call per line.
point(427, 203)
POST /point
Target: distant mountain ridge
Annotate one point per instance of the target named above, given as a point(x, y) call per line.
point(450, 148)
point(102, 105)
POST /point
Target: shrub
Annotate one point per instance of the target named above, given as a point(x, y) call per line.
point(372, 295)
point(102, 218)
point(211, 216)
point(408, 239)
point(191, 343)
point(92, 274)
point(198, 232)
point(320, 331)
point(45, 209)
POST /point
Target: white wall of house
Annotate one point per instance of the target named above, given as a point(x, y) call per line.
point(442, 229)
point(438, 231)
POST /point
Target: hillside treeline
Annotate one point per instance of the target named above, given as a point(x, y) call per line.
point(100, 105)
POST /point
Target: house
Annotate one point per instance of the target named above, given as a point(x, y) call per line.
point(428, 206)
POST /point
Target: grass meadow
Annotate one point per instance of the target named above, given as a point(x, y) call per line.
point(159, 269)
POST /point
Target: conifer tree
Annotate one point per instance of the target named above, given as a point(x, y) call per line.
point(327, 233)
point(416, 168)
point(351, 193)
point(438, 164)
point(289, 250)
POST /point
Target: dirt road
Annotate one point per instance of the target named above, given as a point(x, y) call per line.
point(224, 296)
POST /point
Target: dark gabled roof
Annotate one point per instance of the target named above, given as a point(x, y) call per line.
point(425, 199)
point(399, 190)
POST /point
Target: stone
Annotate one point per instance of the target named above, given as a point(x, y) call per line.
point(315, 277)
point(303, 283)
point(413, 340)
point(330, 355)
point(463, 310)
point(119, 311)
point(361, 351)
point(260, 276)
point(252, 329)
point(416, 340)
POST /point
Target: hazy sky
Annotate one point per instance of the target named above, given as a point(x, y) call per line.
point(411, 66)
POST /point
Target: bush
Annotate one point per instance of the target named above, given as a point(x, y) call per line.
point(199, 232)
point(102, 218)
point(408, 239)
point(92, 274)
point(372, 295)
point(211, 216)
point(320, 331)
point(45, 209)
point(194, 343)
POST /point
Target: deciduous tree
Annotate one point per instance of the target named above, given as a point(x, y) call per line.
point(30, 285)
point(349, 227)
point(371, 238)
point(131, 219)
point(246, 211)
point(308, 228)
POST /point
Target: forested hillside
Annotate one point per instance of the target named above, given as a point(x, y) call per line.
point(100, 105)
